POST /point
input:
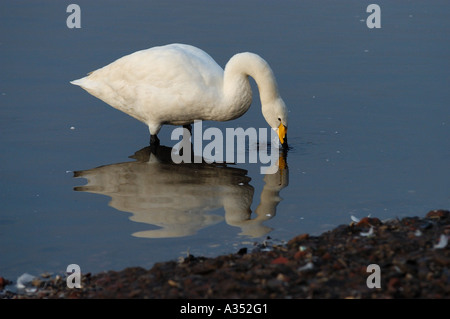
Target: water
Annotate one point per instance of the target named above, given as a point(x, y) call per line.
point(369, 129)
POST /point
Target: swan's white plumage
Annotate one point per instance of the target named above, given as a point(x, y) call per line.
point(178, 83)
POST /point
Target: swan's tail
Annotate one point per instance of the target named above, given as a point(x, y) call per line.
point(79, 82)
point(86, 83)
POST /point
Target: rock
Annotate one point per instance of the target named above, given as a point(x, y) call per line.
point(297, 240)
point(367, 221)
point(300, 254)
point(438, 213)
point(280, 260)
point(242, 251)
point(3, 282)
point(46, 275)
point(36, 282)
point(173, 283)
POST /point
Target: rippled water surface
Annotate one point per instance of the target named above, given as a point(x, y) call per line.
point(369, 127)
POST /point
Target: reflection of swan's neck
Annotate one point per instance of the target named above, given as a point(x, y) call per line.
point(269, 201)
point(270, 195)
point(238, 214)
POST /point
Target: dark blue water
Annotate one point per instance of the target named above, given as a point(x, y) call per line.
point(369, 129)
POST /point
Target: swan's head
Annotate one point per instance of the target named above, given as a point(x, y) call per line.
point(276, 115)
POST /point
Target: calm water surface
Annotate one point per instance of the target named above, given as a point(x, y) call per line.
point(369, 129)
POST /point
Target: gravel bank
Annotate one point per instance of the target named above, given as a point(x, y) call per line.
point(412, 255)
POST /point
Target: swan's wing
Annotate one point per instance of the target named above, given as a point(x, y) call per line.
point(174, 76)
point(162, 67)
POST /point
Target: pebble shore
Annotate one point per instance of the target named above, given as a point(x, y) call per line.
point(412, 255)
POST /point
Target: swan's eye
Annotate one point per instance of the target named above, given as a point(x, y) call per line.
point(279, 119)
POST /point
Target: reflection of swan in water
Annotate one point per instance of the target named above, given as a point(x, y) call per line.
point(178, 197)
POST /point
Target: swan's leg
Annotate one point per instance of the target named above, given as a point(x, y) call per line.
point(154, 140)
point(189, 128)
point(154, 143)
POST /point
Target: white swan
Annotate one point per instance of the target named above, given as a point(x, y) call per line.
point(177, 84)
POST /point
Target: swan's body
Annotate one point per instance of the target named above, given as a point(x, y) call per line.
point(177, 84)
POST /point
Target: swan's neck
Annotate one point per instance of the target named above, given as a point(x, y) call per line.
point(236, 86)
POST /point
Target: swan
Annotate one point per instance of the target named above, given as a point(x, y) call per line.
point(178, 83)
